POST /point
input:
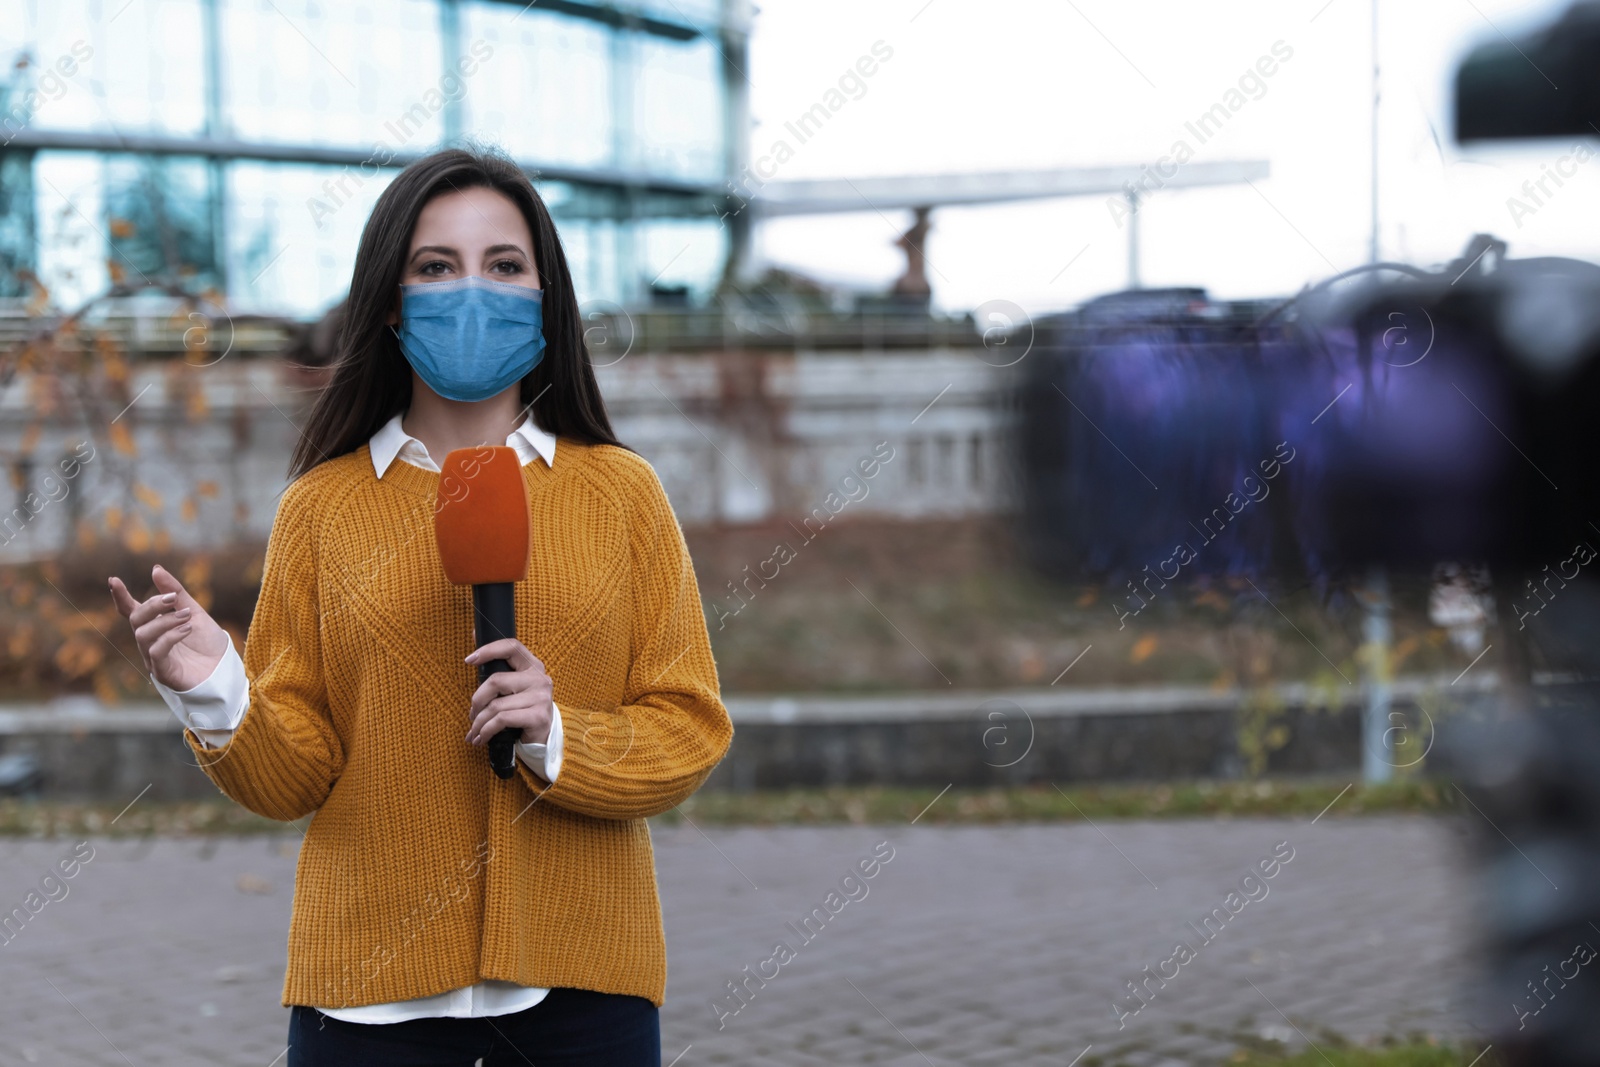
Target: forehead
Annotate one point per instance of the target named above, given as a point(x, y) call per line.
point(471, 219)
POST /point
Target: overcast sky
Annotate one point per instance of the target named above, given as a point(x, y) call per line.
point(975, 85)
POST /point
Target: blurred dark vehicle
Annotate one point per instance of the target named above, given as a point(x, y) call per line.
point(1390, 416)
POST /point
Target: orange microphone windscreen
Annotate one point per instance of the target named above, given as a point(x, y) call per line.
point(480, 516)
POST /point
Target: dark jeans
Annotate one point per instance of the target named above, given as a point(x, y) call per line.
point(567, 1028)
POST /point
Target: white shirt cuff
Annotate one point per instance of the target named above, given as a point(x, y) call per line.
point(214, 708)
point(544, 759)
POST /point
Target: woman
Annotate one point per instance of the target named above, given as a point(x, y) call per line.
point(443, 915)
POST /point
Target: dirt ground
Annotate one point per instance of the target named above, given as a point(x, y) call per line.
point(863, 606)
point(875, 605)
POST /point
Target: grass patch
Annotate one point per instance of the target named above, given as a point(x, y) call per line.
point(49, 818)
point(882, 804)
point(810, 807)
point(1412, 1052)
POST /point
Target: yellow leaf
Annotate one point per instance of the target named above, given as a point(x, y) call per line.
point(121, 439)
point(196, 573)
point(137, 536)
point(147, 496)
point(206, 488)
point(1142, 649)
point(30, 438)
point(105, 689)
point(121, 228)
point(80, 655)
point(190, 510)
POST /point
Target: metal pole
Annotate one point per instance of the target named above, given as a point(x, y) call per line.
point(216, 127)
point(734, 31)
point(1373, 249)
point(1133, 237)
point(1377, 748)
point(450, 55)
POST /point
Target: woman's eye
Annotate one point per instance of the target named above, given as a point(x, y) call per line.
point(428, 268)
point(508, 266)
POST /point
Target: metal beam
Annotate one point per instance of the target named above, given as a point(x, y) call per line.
point(684, 29)
point(330, 156)
point(834, 195)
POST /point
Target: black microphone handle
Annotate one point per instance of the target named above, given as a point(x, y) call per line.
point(494, 616)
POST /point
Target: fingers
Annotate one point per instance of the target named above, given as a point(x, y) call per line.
point(146, 610)
point(151, 632)
point(163, 645)
point(490, 721)
point(139, 612)
point(122, 598)
point(509, 649)
point(504, 683)
point(165, 583)
point(503, 713)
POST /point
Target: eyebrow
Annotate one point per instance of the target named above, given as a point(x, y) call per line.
point(438, 249)
point(448, 251)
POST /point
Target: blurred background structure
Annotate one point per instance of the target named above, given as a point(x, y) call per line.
point(1074, 412)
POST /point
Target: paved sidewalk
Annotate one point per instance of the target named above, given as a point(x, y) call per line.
point(972, 945)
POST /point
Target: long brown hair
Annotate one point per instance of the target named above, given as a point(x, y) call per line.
point(371, 379)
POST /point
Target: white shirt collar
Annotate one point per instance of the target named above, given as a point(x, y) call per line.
point(391, 443)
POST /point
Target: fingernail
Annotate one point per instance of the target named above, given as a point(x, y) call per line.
point(167, 598)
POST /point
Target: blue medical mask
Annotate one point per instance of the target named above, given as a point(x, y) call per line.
point(470, 338)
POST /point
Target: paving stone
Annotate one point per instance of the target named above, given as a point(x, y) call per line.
point(973, 945)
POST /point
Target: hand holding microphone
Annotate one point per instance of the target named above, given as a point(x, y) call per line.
point(518, 698)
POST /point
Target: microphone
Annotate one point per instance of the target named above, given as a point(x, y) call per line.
point(480, 519)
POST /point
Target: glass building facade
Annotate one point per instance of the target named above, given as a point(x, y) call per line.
point(240, 144)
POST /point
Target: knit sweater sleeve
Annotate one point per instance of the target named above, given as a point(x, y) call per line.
point(653, 751)
point(284, 757)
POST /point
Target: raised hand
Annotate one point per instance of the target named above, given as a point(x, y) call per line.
point(181, 644)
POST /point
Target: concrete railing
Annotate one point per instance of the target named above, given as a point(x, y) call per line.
point(84, 750)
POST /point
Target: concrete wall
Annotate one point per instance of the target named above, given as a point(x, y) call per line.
point(737, 436)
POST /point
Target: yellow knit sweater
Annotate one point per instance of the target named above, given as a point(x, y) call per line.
point(421, 871)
